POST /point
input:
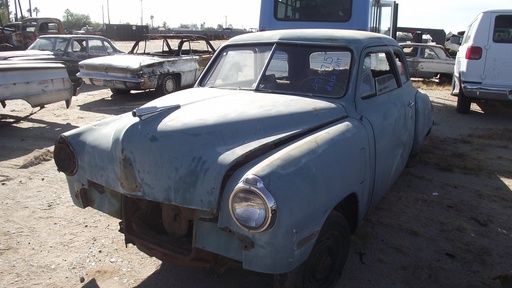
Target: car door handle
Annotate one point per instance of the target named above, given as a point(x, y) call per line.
point(411, 104)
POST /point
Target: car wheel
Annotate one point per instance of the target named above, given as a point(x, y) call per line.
point(445, 79)
point(325, 263)
point(168, 85)
point(119, 91)
point(463, 103)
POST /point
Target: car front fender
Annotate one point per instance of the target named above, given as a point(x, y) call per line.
point(307, 179)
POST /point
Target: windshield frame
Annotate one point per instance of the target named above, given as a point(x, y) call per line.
point(286, 68)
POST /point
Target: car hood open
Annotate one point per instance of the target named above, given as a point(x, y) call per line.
point(182, 151)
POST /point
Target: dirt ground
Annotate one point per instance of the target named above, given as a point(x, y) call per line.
point(445, 223)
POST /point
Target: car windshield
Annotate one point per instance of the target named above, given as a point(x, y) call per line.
point(282, 68)
point(49, 44)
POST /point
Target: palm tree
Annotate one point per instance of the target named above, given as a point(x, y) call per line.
point(35, 10)
point(151, 17)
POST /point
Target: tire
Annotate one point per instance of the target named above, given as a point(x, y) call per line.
point(324, 265)
point(167, 85)
point(445, 79)
point(463, 103)
point(119, 91)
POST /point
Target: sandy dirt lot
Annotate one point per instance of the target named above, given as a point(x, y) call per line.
point(447, 221)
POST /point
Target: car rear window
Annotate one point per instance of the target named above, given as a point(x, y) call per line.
point(502, 29)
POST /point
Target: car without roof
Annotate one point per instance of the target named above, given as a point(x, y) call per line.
point(162, 62)
point(270, 166)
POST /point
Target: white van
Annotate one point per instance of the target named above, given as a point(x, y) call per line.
point(483, 66)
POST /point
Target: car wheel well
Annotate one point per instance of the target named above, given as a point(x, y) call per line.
point(164, 88)
point(463, 102)
point(348, 207)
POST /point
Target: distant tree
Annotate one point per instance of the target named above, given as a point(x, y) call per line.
point(152, 17)
point(184, 26)
point(36, 10)
point(165, 25)
point(220, 27)
point(73, 21)
point(4, 12)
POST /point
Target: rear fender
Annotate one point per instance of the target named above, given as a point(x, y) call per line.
point(424, 120)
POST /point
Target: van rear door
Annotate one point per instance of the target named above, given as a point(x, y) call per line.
point(498, 51)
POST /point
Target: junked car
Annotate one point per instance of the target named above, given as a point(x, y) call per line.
point(165, 62)
point(70, 49)
point(37, 82)
point(270, 166)
point(428, 60)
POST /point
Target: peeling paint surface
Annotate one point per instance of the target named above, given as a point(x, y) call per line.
point(183, 56)
point(38, 83)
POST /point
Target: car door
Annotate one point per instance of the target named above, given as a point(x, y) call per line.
point(77, 52)
point(498, 52)
point(412, 56)
point(386, 108)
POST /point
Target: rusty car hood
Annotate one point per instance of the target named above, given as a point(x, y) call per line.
point(128, 61)
point(182, 153)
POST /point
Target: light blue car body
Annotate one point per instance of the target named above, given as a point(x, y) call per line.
point(314, 154)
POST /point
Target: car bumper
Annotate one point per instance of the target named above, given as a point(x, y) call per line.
point(495, 93)
point(128, 83)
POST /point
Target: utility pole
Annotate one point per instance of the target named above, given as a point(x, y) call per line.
point(108, 12)
point(141, 14)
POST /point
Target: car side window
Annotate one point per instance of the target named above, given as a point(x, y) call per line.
point(96, 47)
point(78, 45)
point(401, 64)
point(380, 78)
point(108, 47)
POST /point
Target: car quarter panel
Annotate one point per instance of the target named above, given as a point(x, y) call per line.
point(138, 72)
point(295, 176)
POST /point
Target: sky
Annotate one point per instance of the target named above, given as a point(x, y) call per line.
point(450, 15)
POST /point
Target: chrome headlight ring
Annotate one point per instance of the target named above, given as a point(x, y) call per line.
point(252, 206)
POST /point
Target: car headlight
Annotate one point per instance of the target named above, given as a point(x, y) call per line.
point(251, 205)
point(65, 157)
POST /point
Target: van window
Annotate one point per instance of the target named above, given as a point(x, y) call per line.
point(469, 34)
point(310, 10)
point(502, 29)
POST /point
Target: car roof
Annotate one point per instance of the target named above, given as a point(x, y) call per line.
point(498, 11)
point(74, 36)
point(334, 37)
point(172, 36)
point(420, 44)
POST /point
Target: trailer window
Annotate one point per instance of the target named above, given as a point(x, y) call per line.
point(313, 10)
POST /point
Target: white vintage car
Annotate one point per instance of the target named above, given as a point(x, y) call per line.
point(37, 82)
point(427, 60)
point(270, 162)
point(162, 62)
